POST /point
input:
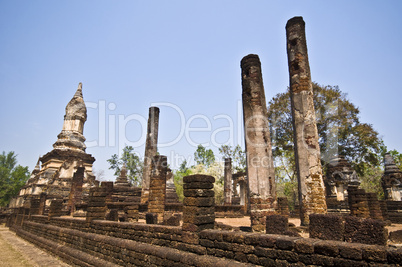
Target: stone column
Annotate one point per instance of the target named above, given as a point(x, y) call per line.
point(228, 181)
point(374, 206)
point(157, 188)
point(97, 202)
point(260, 166)
point(35, 206)
point(307, 150)
point(42, 204)
point(150, 150)
point(358, 203)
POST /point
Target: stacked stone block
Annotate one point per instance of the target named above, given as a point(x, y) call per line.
point(358, 203)
point(132, 213)
point(283, 206)
point(394, 211)
point(260, 208)
point(75, 195)
point(277, 224)
point(326, 226)
point(42, 205)
point(97, 203)
point(157, 186)
point(156, 245)
point(366, 231)
point(199, 201)
point(374, 206)
point(56, 208)
point(384, 210)
point(35, 206)
point(350, 229)
point(108, 187)
point(307, 149)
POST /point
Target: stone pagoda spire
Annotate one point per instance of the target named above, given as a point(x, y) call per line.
point(122, 179)
point(71, 136)
point(37, 167)
point(391, 180)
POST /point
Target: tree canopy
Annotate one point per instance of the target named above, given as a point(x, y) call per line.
point(204, 156)
point(133, 163)
point(339, 128)
point(12, 177)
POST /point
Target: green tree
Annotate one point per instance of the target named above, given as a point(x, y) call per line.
point(339, 128)
point(204, 156)
point(12, 177)
point(133, 164)
point(178, 178)
point(237, 155)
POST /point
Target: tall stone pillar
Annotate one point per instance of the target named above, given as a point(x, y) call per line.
point(150, 150)
point(307, 150)
point(228, 181)
point(260, 166)
point(157, 192)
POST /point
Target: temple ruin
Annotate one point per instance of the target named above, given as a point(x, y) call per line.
point(307, 150)
point(66, 171)
point(64, 210)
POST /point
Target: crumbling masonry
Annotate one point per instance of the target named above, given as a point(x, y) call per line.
point(260, 165)
point(307, 150)
point(151, 148)
point(63, 209)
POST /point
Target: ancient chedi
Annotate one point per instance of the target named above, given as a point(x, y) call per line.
point(307, 150)
point(260, 166)
point(68, 156)
point(391, 180)
point(340, 176)
point(151, 149)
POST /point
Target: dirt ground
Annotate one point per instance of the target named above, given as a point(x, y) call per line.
point(15, 251)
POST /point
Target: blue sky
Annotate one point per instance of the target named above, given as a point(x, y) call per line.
point(185, 56)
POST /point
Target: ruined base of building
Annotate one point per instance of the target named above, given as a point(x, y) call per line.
point(260, 208)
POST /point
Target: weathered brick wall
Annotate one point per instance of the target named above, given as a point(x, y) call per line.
point(108, 250)
point(394, 209)
point(104, 243)
point(358, 203)
point(56, 208)
point(229, 211)
point(157, 186)
point(276, 250)
point(97, 202)
point(348, 228)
